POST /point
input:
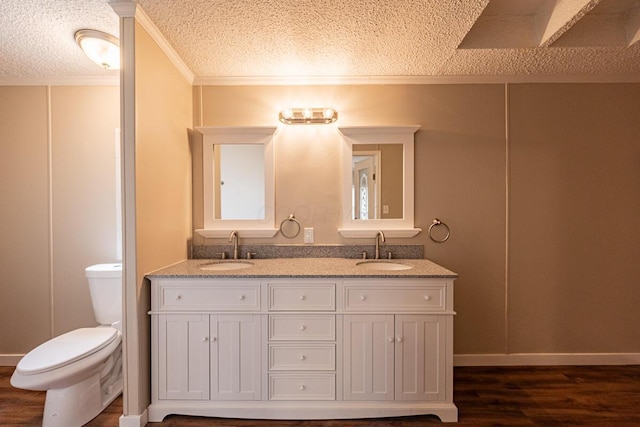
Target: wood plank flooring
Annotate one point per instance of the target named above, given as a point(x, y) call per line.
point(599, 396)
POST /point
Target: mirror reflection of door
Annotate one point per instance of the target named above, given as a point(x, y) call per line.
point(366, 183)
point(241, 181)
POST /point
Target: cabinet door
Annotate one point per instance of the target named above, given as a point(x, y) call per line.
point(368, 357)
point(235, 357)
point(183, 356)
point(420, 351)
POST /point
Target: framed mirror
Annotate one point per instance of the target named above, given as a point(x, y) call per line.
point(378, 181)
point(238, 181)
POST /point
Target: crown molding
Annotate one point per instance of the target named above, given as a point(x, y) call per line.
point(62, 81)
point(411, 80)
point(164, 45)
point(313, 81)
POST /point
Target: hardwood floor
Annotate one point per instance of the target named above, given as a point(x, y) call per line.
point(485, 396)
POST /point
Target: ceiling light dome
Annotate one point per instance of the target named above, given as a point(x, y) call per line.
point(101, 48)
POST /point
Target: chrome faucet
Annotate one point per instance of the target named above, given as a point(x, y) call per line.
point(233, 237)
point(379, 237)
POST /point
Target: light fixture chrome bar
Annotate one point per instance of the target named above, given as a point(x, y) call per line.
point(303, 116)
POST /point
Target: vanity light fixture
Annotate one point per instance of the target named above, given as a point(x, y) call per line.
point(306, 116)
point(101, 48)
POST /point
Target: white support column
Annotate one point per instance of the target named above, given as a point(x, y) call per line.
point(133, 408)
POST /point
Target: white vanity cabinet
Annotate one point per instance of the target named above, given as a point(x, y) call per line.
point(302, 348)
point(398, 356)
point(205, 357)
point(389, 357)
point(201, 351)
point(302, 342)
point(183, 363)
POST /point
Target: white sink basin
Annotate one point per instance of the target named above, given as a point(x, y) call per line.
point(382, 265)
point(226, 265)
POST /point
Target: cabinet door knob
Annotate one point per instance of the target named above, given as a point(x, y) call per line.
point(214, 339)
point(302, 387)
point(399, 339)
point(390, 339)
point(303, 357)
point(242, 297)
point(205, 339)
point(178, 297)
point(427, 297)
point(363, 297)
point(302, 327)
point(302, 297)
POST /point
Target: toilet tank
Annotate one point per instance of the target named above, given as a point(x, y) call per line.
point(105, 286)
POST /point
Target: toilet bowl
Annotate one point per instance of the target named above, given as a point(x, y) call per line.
point(81, 370)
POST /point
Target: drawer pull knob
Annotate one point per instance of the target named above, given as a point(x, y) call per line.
point(303, 357)
point(302, 387)
point(390, 339)
point(242, 297)
point(302, 297)
point(363, 297)
point(302, 327)
point(427, 297)
point(178, 297)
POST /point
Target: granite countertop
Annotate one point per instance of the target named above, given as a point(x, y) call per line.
point(303, 267)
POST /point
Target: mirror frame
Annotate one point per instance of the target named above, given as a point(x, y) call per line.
point(217, 135)
point(400, 227)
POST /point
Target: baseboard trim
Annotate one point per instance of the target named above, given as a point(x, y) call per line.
point(10, 359)
point(546, 359)
point(134, 420)
point(498, 359)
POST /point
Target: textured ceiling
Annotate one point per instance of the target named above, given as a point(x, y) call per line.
point(36, 37)
point(226, 39)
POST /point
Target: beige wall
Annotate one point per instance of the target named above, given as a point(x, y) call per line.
point(24, 220)
point(58, 207)
point(567, 176)
point(571, 165)
point(575, 218)
point(162, 211)
point(84, 121)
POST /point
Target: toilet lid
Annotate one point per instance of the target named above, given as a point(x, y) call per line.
point(65, 349)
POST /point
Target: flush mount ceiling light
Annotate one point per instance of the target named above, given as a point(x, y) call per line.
point(101, 48)
point(305, 116)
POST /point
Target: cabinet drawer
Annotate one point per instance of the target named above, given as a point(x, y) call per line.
point(302, 357)
point(394, 298)
point(302, 386)
point(243, 296)
point(302, 328)
point(305, 297)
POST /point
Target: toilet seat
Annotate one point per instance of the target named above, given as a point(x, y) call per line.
point(66, 349)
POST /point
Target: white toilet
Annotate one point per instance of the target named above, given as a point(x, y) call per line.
point(81, 371)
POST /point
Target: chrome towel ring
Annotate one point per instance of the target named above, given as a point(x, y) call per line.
point(437, 222)
point(295, 228)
